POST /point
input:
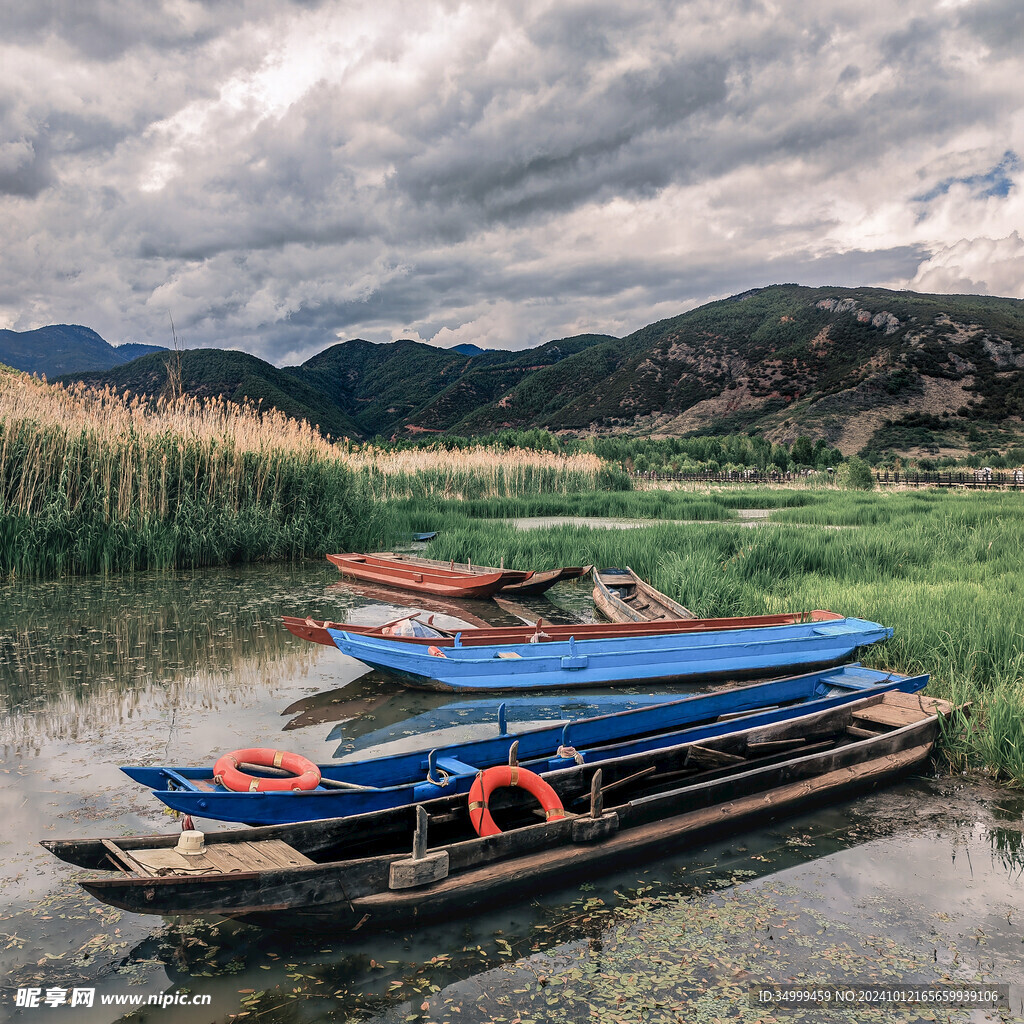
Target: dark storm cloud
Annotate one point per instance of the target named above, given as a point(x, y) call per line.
point(570, 149)
point(104, 30)
point(999, 24)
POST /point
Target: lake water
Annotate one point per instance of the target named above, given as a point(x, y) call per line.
point(918, 882)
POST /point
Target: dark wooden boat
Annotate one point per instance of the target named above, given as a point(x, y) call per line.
point(546, 632)
point(410, 864)
point(536, 583)
point(621, 596)
point(424, 579)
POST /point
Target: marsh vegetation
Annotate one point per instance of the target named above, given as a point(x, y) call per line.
point(94, 481)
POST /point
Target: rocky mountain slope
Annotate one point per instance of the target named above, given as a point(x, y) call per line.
point(863, 368)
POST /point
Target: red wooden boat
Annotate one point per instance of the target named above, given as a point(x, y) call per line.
point(532, 583)
point(541, 632)
point(425, 579)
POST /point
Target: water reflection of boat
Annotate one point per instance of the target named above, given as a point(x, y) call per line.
point(354, 787)
point(357, 873)
point(339, 705)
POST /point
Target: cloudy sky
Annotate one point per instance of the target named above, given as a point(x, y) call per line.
point(278, 176)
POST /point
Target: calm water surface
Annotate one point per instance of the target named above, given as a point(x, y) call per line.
point(916, 883)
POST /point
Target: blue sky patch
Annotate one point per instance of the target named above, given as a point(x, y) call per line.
point(994, 182)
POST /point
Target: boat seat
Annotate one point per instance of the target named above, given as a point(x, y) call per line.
point(453, 766)
point(261, 855)
point(888, 714)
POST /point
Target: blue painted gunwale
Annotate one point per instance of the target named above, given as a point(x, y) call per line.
point(608, 661)
point(402, 778)
point(484, 711)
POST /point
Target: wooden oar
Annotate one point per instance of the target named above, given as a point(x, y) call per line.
point(329, 783)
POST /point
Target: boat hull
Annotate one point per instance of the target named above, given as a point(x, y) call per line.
point(670, 657)
point(421, 579)
point(529, 583)
point(327, 883)
point(544, 632)
point(645, 605)
point(405, 778)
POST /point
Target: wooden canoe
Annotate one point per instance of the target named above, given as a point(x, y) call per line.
point(674, 655)
point(423, 579)
point(535, 583)
point(621, 596)
point(411, 864)
point(545, 632)
point(413, 776)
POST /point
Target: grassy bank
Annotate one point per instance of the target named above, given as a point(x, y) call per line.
point(93, 481)
point(946, 571)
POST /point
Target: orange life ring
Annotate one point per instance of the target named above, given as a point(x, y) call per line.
point(227, 774)
point(436, 652)
point(499, 777)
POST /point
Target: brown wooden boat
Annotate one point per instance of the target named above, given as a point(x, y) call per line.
point(535, 583)
point(621, 596)
point(425, 579)
point(406, 865)
point(542, 632)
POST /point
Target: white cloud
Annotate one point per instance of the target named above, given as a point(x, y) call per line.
point(278, 176)
point(993, 266)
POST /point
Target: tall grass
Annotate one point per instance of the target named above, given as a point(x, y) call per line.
point(948, 577)
point(478, 473)
point(92, 480)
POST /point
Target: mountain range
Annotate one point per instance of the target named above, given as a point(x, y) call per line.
point(867, 369)
point(64, 348)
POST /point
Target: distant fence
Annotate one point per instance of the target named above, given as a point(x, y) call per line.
point(749, 476)
point(981, 479)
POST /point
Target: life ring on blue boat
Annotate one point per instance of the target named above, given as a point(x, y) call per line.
point(499, 777)
point(436, 652)
point(227, 774)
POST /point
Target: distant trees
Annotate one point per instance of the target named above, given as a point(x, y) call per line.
point(856, 474)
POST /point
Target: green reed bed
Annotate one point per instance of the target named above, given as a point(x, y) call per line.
point(96, 481)
point(84, 502)
point(948, 576)
point(585, 502)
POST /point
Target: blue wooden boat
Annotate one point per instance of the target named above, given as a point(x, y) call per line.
point(480, 715)
point(408, 778)
point(613, 660)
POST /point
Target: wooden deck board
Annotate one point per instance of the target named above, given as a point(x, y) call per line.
point(263, 855)
point(888, 714)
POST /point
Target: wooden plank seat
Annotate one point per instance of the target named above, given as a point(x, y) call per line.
point(262, 855)
point(888, 714)
point(918, 701)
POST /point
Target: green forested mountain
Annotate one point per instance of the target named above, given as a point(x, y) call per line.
point(865, 369)
point(236, 376)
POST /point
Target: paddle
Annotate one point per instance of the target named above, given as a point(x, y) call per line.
point(329, 783)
